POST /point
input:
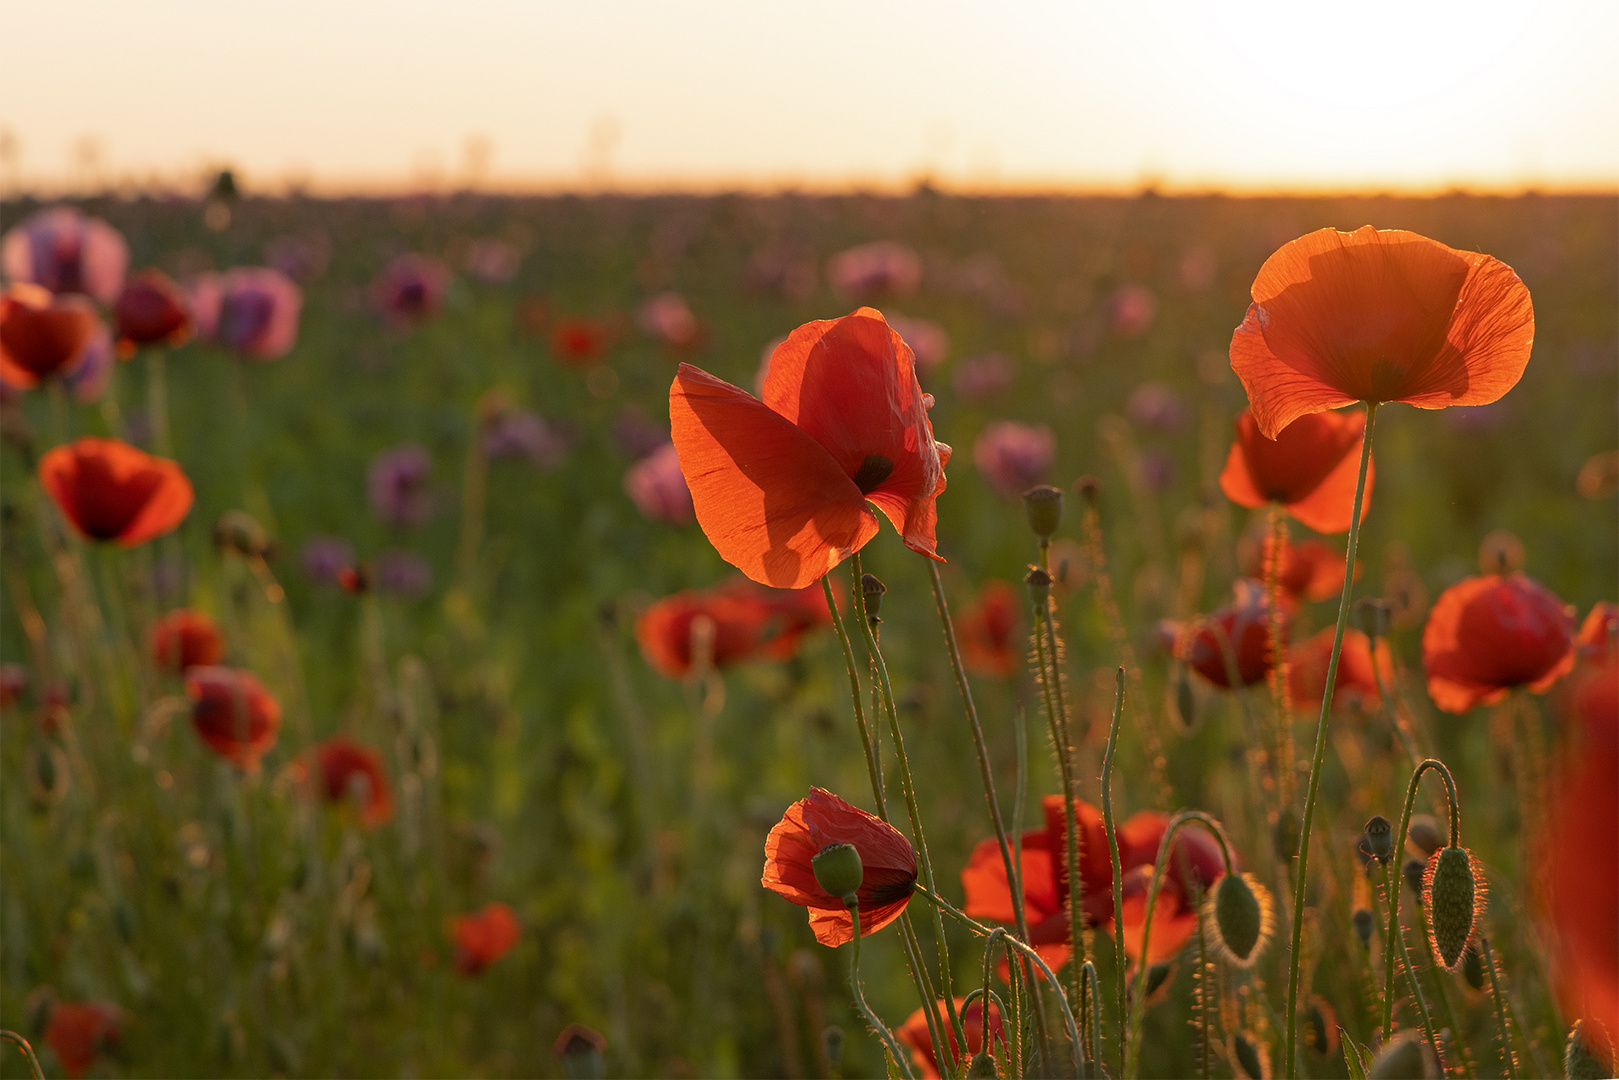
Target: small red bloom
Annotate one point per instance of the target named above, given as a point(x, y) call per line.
point(1194, 864)
point(578, 341)
point(78, 1031)
point(748, 621)
point(1599, 633)
point(484, 936)
point(152, 309)
point(810, 826)
point(1356, 683)
point(914, 1034)
point(1310, 570)
point(1310, 467)
point(185, 639)
point(343, 767)
point(1486, 635)
point(1244, 626)
point(43, 335)
point(781, 485)
point(1379, 315)
point(233, 713)
point(111, 491)
point(987, 630)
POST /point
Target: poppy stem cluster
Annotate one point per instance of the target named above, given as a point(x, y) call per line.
point(901, 1059)
point(1397, 849)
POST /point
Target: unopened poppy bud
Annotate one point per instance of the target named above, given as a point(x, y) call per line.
point(1373, 616)
point(1364, 925)
point(1237, 915)
point(1585, 1058)
point(580, 1049)
point(1285, 835)
point(1378, 839)
point(838, 870)
point(1249, 1056)
point(1500, 553)
point(1413, 871)
point(1473, 968)
point(1321, 1031)
point(1088, 487)
point(1185, 700)
point(1157, 975)
point(1405, 1056)
point(1454, 899)
point(982, 1067)
point(238, 531)
point(1039, 583)
point(1043, 505)
point(1424, 832)
point(871, 591)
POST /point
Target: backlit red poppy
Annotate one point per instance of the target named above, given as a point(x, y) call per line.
point(484, 936)
point(152, 309)
point(818, 821)
point(1243, 626)
point(748, 622)
point(66, 252)
point(1310, 569)
point(111, 491)
point(185, 639)
point(1486, 635)
point(1379, 315)
point(987, 630)
point(79, 1031)
point(1310, 468)
point(1356, 683)
point(781, 485)
point(341, 768)
point(42, 335)
point(914, 1034)
point(233, 714)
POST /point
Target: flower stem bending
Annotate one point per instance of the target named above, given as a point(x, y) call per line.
point(901, 1059)
point(1507, 1055)
point(26, 1051)
point(1113, 850)
point(1394, 894)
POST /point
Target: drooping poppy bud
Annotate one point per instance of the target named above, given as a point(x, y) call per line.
point(1454, 898)
point(1238, 916)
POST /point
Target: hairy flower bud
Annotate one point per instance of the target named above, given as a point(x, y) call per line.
point(1584, 1057)
point(1238, 915)
point(1454, 898)
point(1404, 1056)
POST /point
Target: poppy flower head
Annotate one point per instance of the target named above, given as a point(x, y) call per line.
point(658, 489)
point(1379, 315)
point(150, 310)
point(79, 1031)
point(66, 252)
point(519, 433)
point(915, 1035)
point(780, 486)
point(578, 341)
point(233, 713)
point(42, 335)
point(1357, 680)
point(1013, 457)
point(818, 821)
point(344, 768)
point(111, 491)
point(1310, 468)
point(1309, 570)
point(185, 639)
point(668, 319)
point(484, 936)
point(410, 289)
point(744, 621)
point(251, 310)
point(987, 630)
point(876, 271)
point(1486, 635)
point(1243, 626)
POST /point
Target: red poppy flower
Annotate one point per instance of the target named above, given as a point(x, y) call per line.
point(484, 936)
point(78, 1031)
point(1310, 467)
point(1599, 633)
point(340, 767)
point(748, 621)
point(1356, 683)
point(43, 335)
point(233, 713)
point(1244, 624)
point(111, 491)
point(781, 485)
point(914, 1034)
point(1486, 635)
point(579, 342)
point(810, 826)
point(1310, 570)
point(151, 309)
point(184, 639)
point(1194, 864)
point(987, 630)
point(1379, 315)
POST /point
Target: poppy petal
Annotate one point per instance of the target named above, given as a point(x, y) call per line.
point(1329, 508)
point(1491, 333)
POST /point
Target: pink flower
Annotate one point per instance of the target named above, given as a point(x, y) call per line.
point(493, 262)
point(927, 339)
point(410, 289)
point(875, 271)
point(251, 310)
point(1131, 309)
point(67, 252)
point(658, 489)
point(667, 318)
point(1013, 457)
point(978, 378)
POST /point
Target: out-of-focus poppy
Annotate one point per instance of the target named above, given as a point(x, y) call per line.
point(914, 1034)
point(251, 310)
point(399, 485)
point(151, 309)
point(233, 713)
point(1154, 405)
point(79, 1031)
point(781, 485)
point(668, 319)
point(1379, 315)
point(1486, 635)
point(1013, 457)
point(1244, 626)
point(748, 621)
point(324, 556)
point(1599, 633)
point(410, 289)
point(186, 639)
point(1310, 468)
point(929, 342)
point(983, 377)
point(67, 252)
point(88, 381)
point(1595, 685)
point(43, 335)
point(1131, 310)
point(658, 489)
point(13, 684)
point(876, 271)
point(519, 433)
point(578, 341)
point(484, 936)
point(987, 630)
point(817, 822)
point(1356, 683)
point(1193, 865)
point(1309, 570)
point(111, 491)
point(402, 573)
point(340, 767)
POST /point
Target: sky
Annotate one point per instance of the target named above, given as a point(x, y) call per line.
point(1194, 95)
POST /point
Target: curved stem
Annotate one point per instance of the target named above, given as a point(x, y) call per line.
point(1301, 876)
point(901, 1059)
point(854, 691)
point(1394, 894)
point(26, 1051)
point(1090, 1008)
point(1113, 850)
point(1500, 1009)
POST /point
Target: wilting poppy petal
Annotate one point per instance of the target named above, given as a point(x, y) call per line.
point(1486, 635)
point(233, 713)
point(43, 335)
point(185, 639)
point(111, 491)
point(484, 936)
point(772, 500)
point(1379, 316)
point(1311, 468)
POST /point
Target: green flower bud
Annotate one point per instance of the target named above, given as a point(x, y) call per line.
point(1249, 1056)
point(1237, 915)
point(871, 591)
point(1043, 505)
point(982, 1067)
point(1473, 968)
point(1587, 1058)
point(1404, 1057)
point(1455, 899)
point(1378, 839)
point(838, 870)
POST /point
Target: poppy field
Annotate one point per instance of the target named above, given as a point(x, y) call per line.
point(810, 636)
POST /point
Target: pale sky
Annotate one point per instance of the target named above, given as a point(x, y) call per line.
point(704, 94)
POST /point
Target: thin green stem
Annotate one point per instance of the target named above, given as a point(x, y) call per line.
point(1394, 894)
point(1113, 851)
point(854, 692)
point(1011, 1016)
point(901, 1059)
point(1412, 981)
point(1507, 1056)
point(1065, 769)
point(1301, 876)
point(157, 401)
point(930, 1000)
point(1282, 766)
point(26, 1051)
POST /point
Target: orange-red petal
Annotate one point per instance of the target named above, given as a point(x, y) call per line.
point(110, 490)
point(1311, 467)
point(1486, 635)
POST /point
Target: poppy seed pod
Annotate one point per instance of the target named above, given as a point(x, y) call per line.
point(1039, 583)
point(871, 591)
point(1378, 839)
point(1454, 899)
point(982, 1067)
point(838, 870)
point(1043, 505)
point(1585, 1058)
point(1406, 1055)
point(1237, 914)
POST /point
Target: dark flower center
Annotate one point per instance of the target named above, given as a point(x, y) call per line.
point(872, 472)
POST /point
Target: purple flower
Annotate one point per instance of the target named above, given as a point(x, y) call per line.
point(324, 556)
point(1131, 309)
point(875, 271)
point(928, 340)
point(658, 487)
point(1157, 470)
point(520, 433)
point(399, 485)
point(89, 380)
point(301, 258)
point(410, 289)
point(1013, 457)
point(667, 318)
point(1155, 405)
point(403, 573)
point(67, 252)
point(251, 310)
